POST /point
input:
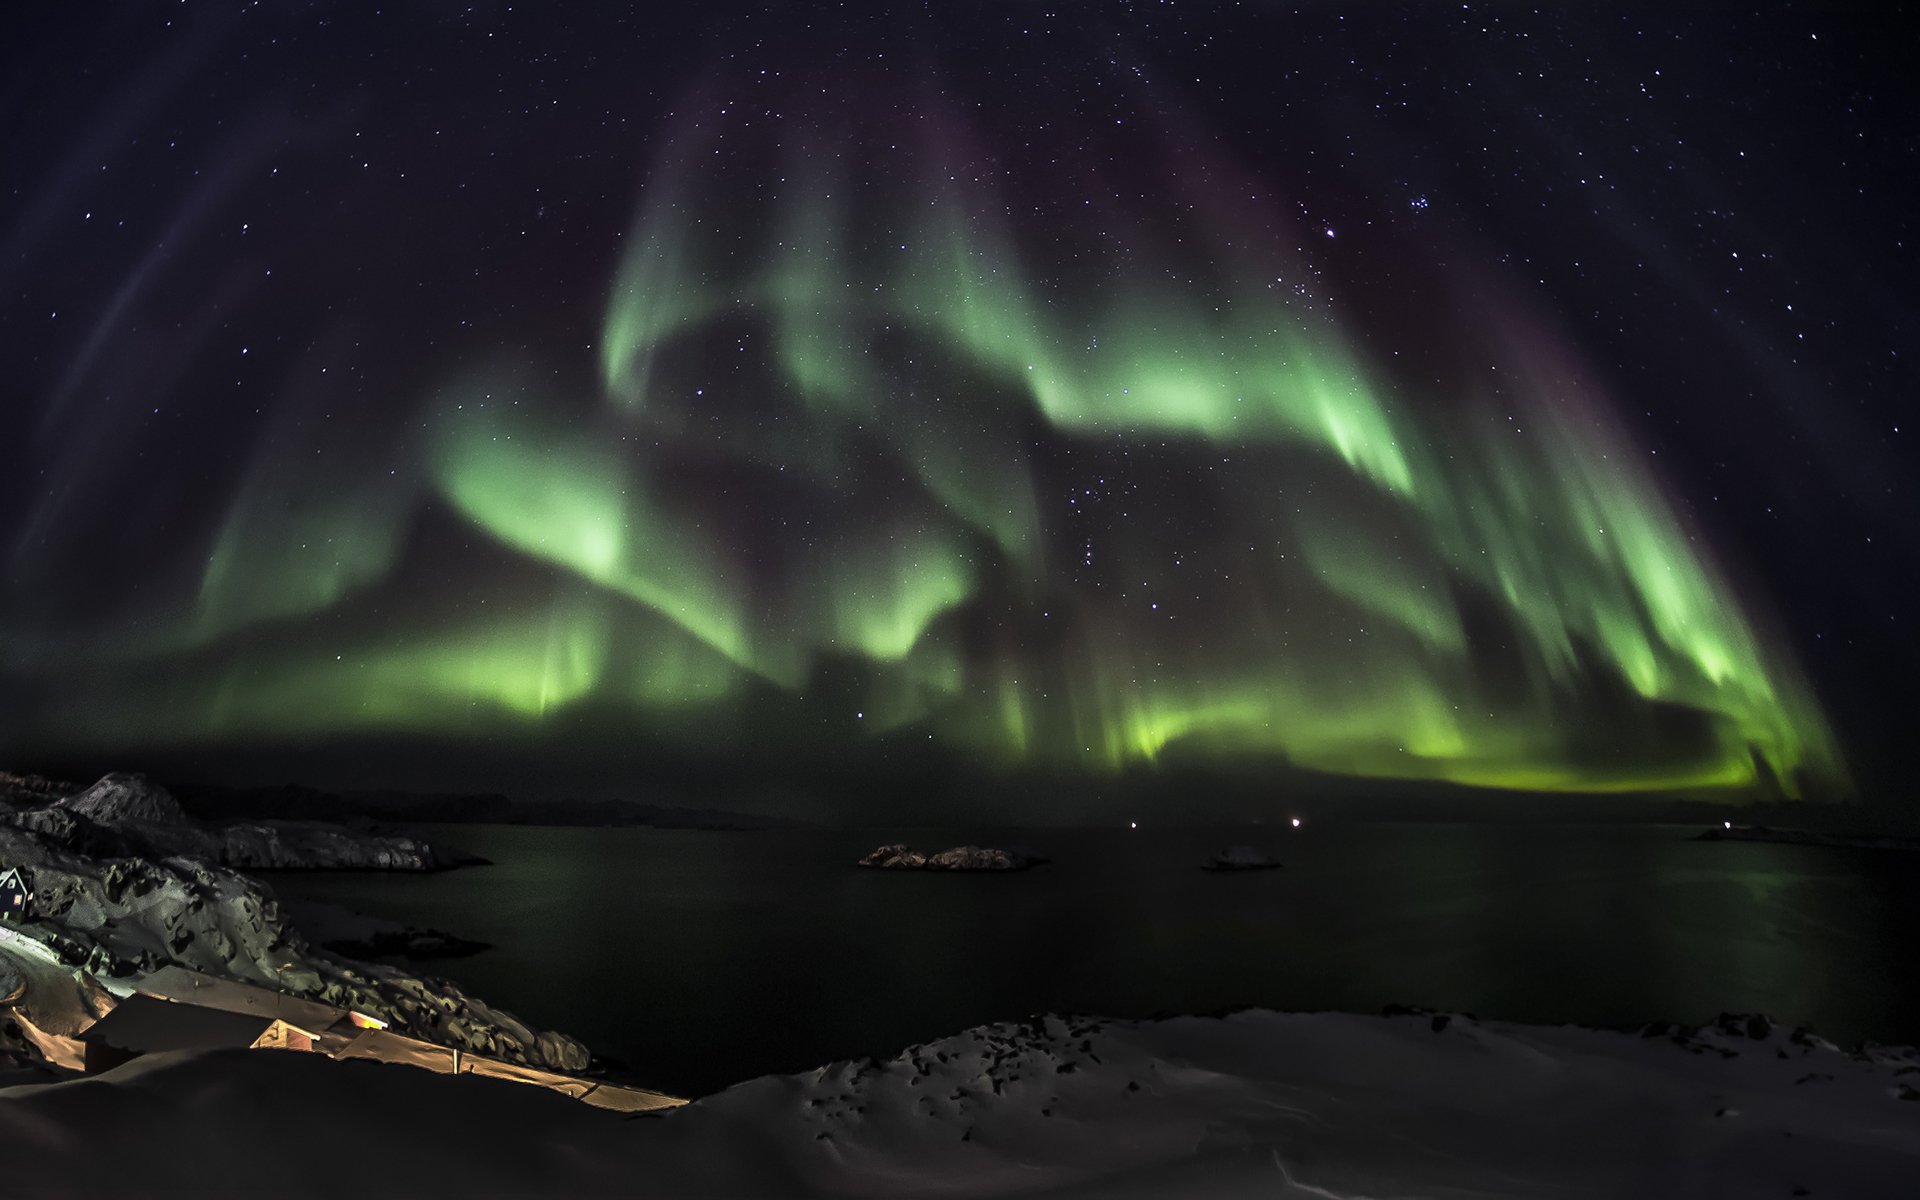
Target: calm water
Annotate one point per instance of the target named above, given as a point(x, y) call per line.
point(700, 958)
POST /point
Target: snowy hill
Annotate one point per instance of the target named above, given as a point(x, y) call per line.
point(1255, 1104)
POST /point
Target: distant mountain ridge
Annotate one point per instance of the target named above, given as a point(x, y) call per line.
point(129, 815)
point(294, 801)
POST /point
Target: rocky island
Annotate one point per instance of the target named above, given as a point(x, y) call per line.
point(901, 857)
point(1730, 832)
point(1241, 858)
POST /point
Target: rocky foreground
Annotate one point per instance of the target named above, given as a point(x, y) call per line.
point(123, 886)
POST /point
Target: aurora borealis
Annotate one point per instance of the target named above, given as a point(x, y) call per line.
point(753, 383)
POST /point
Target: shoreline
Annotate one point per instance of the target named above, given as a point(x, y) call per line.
point(724, 913)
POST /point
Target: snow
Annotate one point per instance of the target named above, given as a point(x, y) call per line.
point(120, 918)
point(1256, 1104)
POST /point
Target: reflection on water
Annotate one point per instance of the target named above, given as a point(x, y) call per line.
point(700, 958)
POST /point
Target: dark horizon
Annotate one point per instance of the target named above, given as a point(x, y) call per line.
point(405, 781)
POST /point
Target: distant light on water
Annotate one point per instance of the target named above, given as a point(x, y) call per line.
point(1296, 822)
point(1133, 824)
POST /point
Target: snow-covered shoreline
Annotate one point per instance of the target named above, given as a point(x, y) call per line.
point(1255, 1103)
point(112, 902)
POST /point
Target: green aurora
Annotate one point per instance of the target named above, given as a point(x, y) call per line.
point(867, 446)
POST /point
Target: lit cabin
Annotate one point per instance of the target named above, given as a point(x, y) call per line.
point(145, 1025)
point(16, 898)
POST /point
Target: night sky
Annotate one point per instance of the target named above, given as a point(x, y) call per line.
point(1459, 394)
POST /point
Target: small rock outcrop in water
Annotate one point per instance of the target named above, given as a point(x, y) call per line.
point(125, 816)
point(896, 857)
point(974, 858)
point(358, 935)
point(1242, 858)
point(900, 857)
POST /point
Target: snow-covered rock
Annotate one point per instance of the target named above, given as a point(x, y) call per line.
point(119, 799)
point(131, 816)
point(974, 858)
point(1254, 1104)
point(899, 857)
point(895, 857)
point(317, 846)
point(128, 916)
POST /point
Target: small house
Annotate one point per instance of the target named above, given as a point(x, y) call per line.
point(16, 898)
point(145, 1025)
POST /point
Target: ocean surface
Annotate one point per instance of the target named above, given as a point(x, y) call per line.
point(698, 959)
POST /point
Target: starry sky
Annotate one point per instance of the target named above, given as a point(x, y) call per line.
point(1452, 394)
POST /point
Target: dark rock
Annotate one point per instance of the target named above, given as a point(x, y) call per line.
point(1750, 1025)
point(32, 791)
point(406, 943)
point(974, 858)
point(1242, 858)
point(1803, 837)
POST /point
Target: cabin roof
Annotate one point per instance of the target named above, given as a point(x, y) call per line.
point(145, 1025)
point(227, 995)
